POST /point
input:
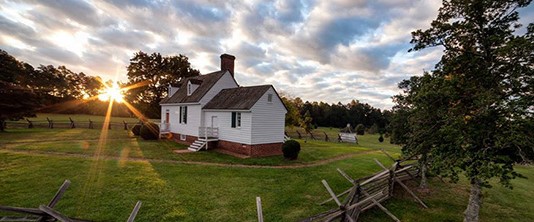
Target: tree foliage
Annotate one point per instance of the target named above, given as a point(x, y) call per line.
point(306, 122)
point(471, 114)
point(336, 115)
point(16, 101)
point(153, 73)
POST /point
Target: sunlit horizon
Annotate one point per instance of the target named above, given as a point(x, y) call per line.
point(112, 93)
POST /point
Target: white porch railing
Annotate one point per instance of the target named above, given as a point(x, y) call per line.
point(208, 132)
point(164, 127)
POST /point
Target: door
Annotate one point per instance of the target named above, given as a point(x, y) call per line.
point(214, 122)
point(167, 116)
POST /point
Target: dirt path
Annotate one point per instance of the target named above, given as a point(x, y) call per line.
point(134, 159)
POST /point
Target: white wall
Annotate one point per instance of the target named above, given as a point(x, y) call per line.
point(194, 114)
point(268, 120)
point(226, 132)
point(226, 81)
point(193, 119)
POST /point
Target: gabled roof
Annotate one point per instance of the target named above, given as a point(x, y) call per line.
point(241, 98)
point(195, 81)
point(206, 82)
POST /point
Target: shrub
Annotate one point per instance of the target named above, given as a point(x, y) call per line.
point(136, 129)
point(381, 138)
point(291, 149)
point(373, 129)
point(149, 131)
point(360, 129)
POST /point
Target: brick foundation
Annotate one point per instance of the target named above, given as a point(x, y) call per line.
point(258, 150)
point(188, 139)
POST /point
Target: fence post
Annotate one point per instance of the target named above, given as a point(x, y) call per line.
point(109, 125)
point(325, 136)
point(312, 136)
point(50, 123)
point(72, 126)
point(259, 209)
point(125, 125)
point(90, 124)
point(30, 124)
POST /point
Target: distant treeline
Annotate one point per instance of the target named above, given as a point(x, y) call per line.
point(57, 89)
point(336, 115)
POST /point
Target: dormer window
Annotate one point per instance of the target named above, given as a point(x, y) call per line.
point(192, 85)
point(189, 91)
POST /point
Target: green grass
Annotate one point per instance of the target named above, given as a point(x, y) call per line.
point(85, 141)
point(34, 163)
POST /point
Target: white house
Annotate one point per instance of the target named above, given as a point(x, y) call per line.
point(213, 111)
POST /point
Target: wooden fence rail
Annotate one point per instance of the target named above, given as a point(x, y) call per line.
point(48, 213)
point(314, 135)
point(368, 192)
point(68, 124)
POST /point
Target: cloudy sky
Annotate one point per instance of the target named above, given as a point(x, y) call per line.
point(335, 50)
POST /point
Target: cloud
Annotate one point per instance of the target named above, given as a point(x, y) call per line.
point(79, 11)
point(332, 51)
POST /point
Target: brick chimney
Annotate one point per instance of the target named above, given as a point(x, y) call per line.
point(227, 63)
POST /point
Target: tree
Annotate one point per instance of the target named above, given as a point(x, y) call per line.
point(418, 119)
point(483, 89)
point(152, 74)
point(292, 116)
point(306, 122)
point(16, 101)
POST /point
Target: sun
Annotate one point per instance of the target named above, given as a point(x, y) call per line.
point(114, 93)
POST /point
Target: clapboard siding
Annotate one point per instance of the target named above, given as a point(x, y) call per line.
point(226, 132)
point(268, 120)
point(194, 112)
point(226, 81)
point(193, 119)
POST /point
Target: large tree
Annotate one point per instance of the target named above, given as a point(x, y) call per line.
point(481, 93)
point(151, 75)
point(16, 100)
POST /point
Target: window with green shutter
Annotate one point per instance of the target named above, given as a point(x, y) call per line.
point(236, 119)
point(234, 114)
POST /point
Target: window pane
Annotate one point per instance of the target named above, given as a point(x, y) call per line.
point(233, 119)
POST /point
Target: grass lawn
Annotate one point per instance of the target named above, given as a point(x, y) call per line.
point(85, 141)
point(34, 163)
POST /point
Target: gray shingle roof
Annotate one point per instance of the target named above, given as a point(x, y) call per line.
point(205, 83)
point(241, 98)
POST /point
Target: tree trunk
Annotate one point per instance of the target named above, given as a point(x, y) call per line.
point(423, 185)
point(475, 201)
point(2, 125)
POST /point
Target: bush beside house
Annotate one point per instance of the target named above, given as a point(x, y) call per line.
point(149, 131)
point(291, 149)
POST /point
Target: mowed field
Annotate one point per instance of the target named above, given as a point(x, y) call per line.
point(110, 171)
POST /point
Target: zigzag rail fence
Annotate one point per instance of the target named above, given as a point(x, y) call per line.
point(48, 213)
point(314, 135)
point(66, 124)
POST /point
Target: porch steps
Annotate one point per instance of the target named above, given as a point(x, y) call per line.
point(197, 145)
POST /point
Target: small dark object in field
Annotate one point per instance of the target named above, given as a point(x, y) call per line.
point(381, 138)
point(136, 129)
point(149, 131)
point(291, 149)
point(360, 129)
